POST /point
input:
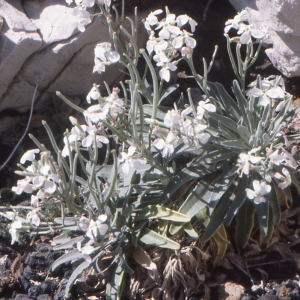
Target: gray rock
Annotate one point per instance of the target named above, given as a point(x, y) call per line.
point(40, 43)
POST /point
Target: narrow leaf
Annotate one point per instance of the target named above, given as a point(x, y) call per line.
point(160, 212)
point(244, 223)
point(73, 254)
point(77, 272)
point(221, 245)
point(150, 237)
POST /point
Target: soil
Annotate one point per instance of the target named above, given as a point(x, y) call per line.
point(254, 273)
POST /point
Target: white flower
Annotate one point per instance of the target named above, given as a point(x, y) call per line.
point(93, 94)
point(275, 158)
point(236, 21)
point(33, 217)
point(286, 179)
point(104, 53)
point(172, 118)
point(289, 159)
point(76, 135)
point(260, 189)
point(130, 161)
point(23, 185)
point(84, 223)
point(160, 55)
point(85, 3)
point(245, 159)
point(151, 43)
point(186, 52)
point(84, 17)
point(97, 227)
point(183, 19)
point(35, 198)
point(167, 146)
point(152, 20)
point(93, 136)
point(85, 251)
point(104, 56)
point(168, 27)
point(202, 136)
point(113, 104)
point(47, 179)
point(95, 113)
point(29, 155)
point(247, 31)
point(204, 106)
point(275, 92)
point(164, 72)
point(184, 38)
point(15, 231)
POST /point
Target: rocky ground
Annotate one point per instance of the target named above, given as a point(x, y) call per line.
point(254, 273)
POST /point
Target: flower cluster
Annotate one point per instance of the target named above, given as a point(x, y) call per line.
point(171, 38)
point(246, 31)
point(104, 56)
point(40, 175)
point(84, 17)
point(271, 88)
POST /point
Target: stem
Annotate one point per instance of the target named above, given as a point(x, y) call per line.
point(154, 81)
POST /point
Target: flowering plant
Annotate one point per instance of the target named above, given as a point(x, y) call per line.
point(137, 173)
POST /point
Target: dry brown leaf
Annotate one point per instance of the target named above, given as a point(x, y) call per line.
point(220, 237)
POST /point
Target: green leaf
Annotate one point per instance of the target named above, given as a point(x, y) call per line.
point(262, 211)
point(242, 102)
point(188, 228)
point(265, 237)
point(160, 212)
point(219, 213)
point(244, 223)
point(77, 272)
point(282, 115)
point(122, 262)
point(115, 285)
point(238, 200)
point(184, 176)
point(274, 202)
point(235, 145)
point(176, 227)
point(68, 243)
point(200, 196)
point(168, 91)
point(73, 254)
point(228, 102)
point(161, 111)
point(143, 258)
point(68, 221)
point(225, 121)
point(150, 237)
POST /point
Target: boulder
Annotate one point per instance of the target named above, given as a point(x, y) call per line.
point(281, 17)
point(40, 43)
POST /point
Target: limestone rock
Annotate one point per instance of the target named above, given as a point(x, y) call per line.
point(281, 17)
point(40, 43)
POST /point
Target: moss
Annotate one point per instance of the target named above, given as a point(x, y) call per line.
point(50, 210)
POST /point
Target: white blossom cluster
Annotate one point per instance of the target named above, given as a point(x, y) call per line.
point(84, 17)
point(272, 88)
point(246, 31)
point(188, 126)
point(171, 39)
point(104, 56)
point(268, 163)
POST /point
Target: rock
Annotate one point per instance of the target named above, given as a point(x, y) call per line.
point(230, 291)
point(40, 43)
point(22, 297)
point(283, 23)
